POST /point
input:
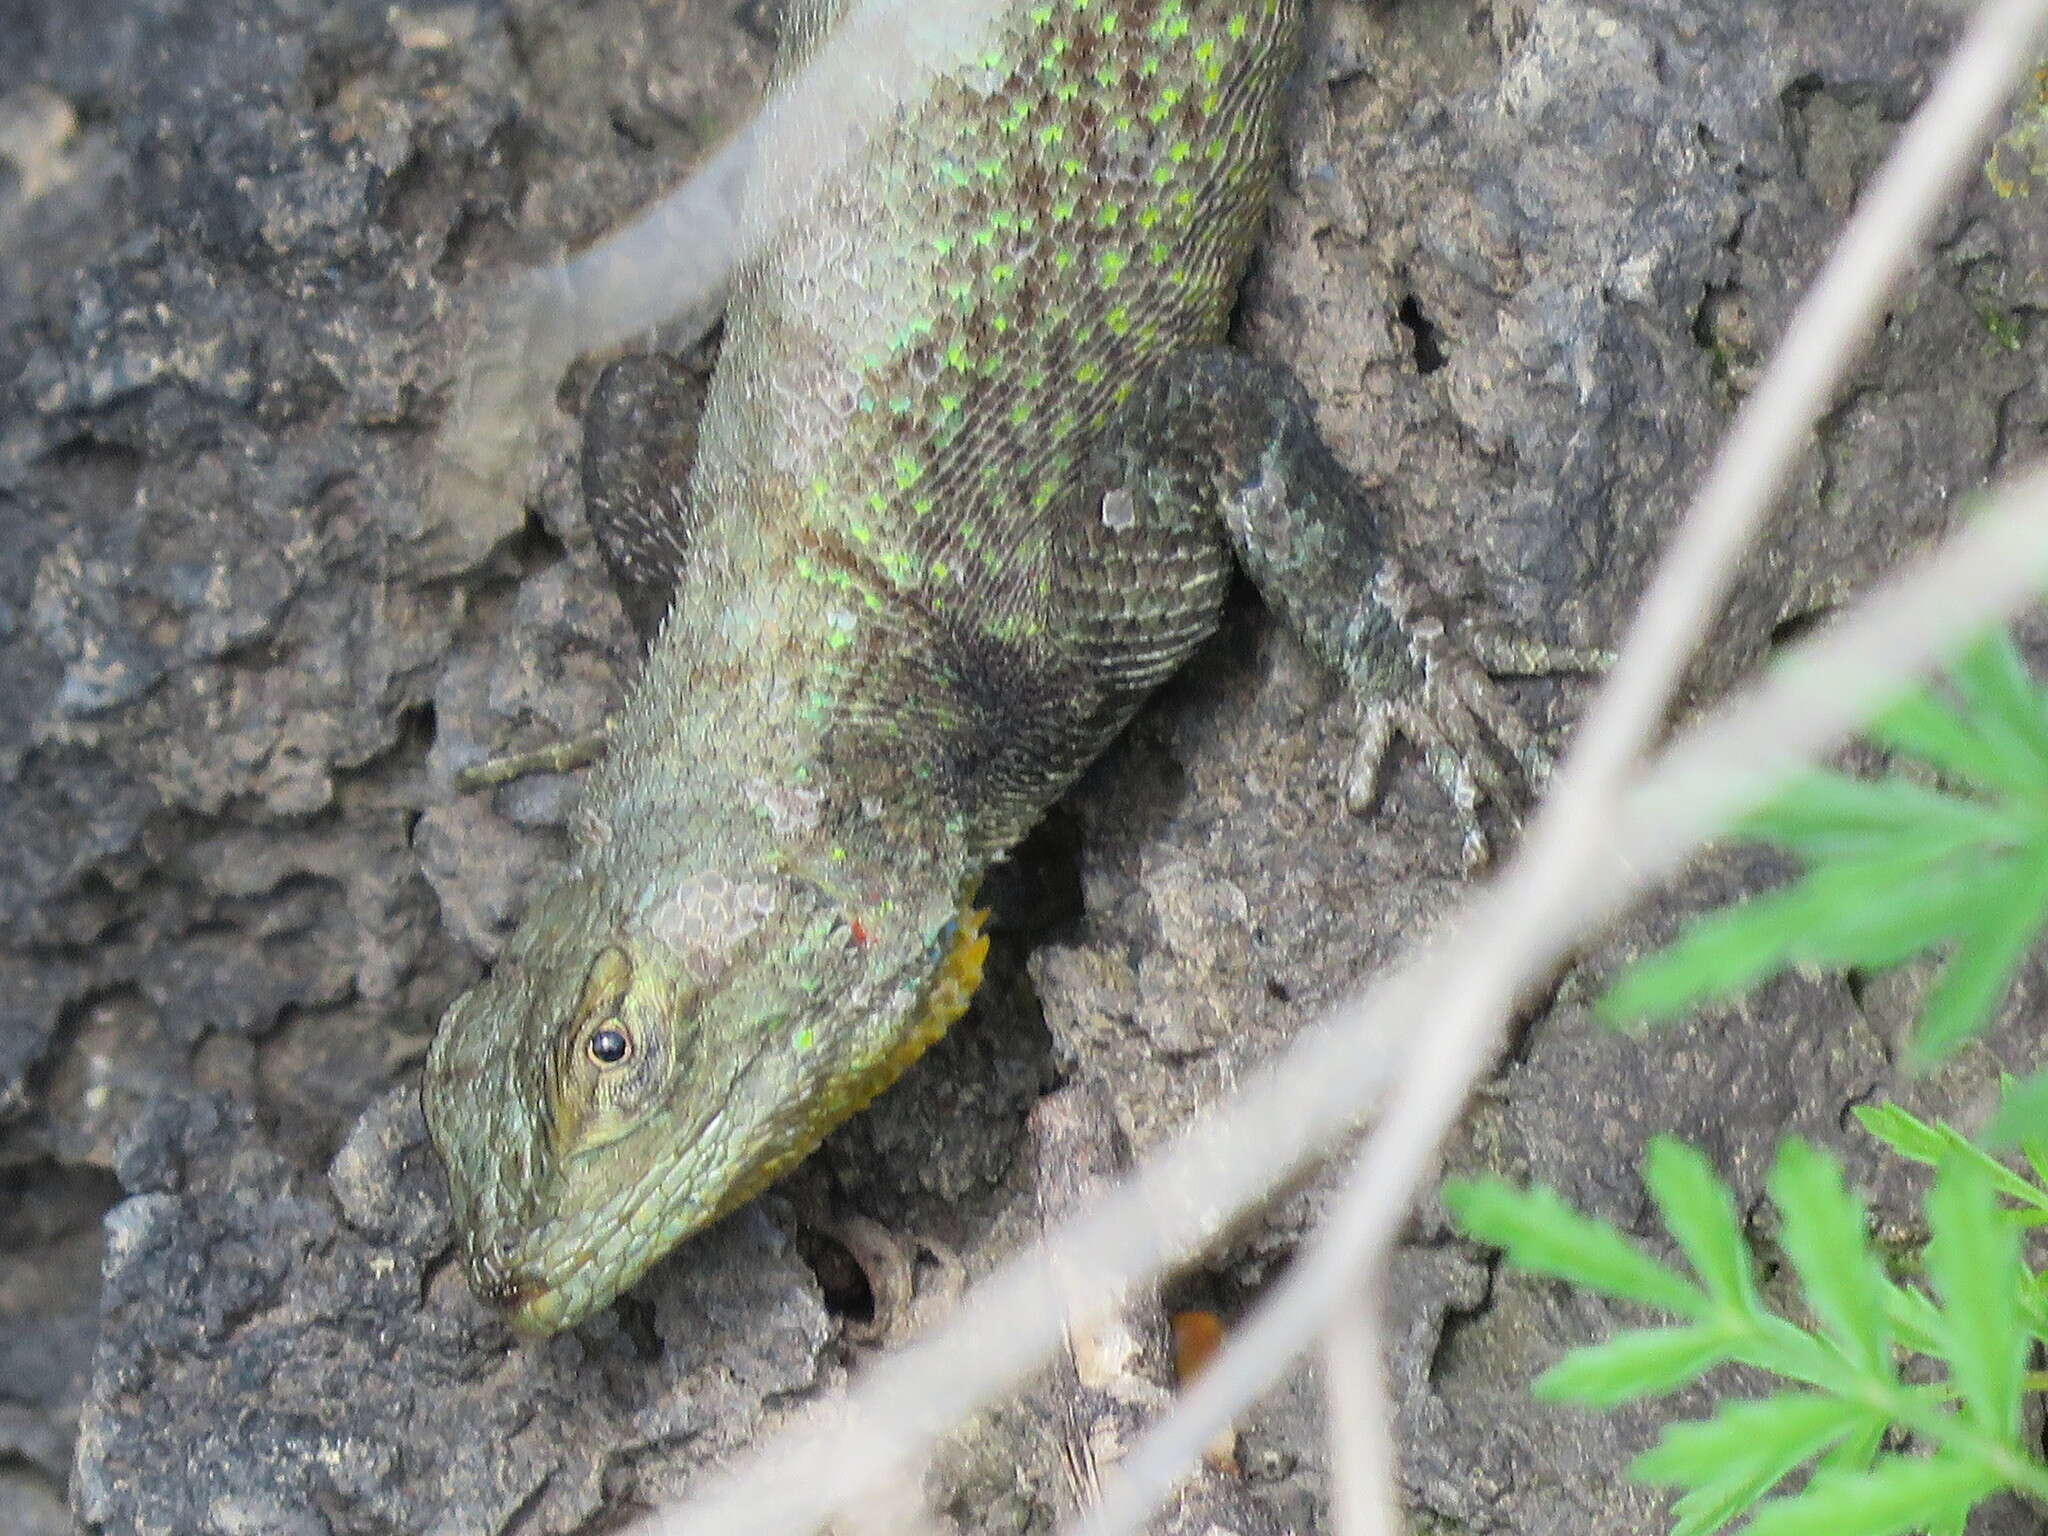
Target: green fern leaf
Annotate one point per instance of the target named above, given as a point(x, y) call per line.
point(1973, 1260)
point(1892, 1498)
point(1999, 694)
point(2023, 1121)
point(1824, 1236)
point(1543, 1235)
point(1646, 1362)
point(1978, 975)
point(1825, 817)
point(1732, 1460)
point(1699, 1211)
point(1934, 1145)
point(1924, 726)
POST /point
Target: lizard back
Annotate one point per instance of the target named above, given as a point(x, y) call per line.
point(913, 378)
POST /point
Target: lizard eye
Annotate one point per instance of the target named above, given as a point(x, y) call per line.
point(609, 1046)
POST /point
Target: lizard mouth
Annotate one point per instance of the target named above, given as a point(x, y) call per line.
point(533, 1310)
point(533, 1301)
point(519, 1296)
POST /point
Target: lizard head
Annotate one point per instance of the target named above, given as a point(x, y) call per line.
point(618, 1083)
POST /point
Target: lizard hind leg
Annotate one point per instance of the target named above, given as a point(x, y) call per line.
point(1314, 543)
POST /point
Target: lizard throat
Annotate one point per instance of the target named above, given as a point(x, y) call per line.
point(952, 988)
point(946, 997)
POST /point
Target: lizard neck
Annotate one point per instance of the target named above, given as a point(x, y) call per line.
point(784, 717)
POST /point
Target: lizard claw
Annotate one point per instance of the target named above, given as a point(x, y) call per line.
point(1466, 728)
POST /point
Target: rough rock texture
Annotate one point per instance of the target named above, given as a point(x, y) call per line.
point(1532, 252)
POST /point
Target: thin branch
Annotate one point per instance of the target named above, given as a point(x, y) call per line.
point(1363, 1501)
point(1118, 1373)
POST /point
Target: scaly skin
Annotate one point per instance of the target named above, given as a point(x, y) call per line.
point(968, 483)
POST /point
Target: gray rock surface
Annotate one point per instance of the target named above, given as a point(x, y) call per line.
point(1531, 253)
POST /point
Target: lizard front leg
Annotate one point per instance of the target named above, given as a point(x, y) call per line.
point(1220, 448)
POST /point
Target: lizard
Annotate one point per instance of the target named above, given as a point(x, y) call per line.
point(970, 480)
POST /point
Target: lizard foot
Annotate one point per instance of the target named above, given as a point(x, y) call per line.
point(1468, 731)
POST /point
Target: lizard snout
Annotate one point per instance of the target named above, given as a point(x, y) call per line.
point(496, 1282)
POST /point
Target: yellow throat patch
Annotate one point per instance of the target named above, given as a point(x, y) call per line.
point(952, 988)
point(946, 997)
